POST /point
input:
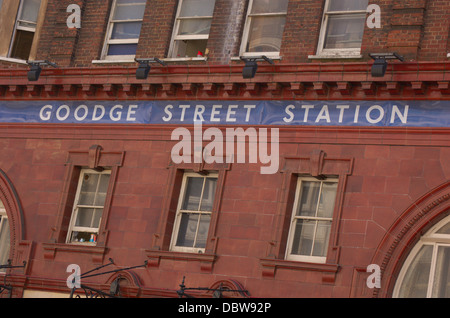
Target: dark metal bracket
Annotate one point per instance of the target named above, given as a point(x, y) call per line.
point(115, 287)
point(5, 285)
point(217, 292)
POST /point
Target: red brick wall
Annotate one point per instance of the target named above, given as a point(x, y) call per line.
point(388, 176)
point(416, 29)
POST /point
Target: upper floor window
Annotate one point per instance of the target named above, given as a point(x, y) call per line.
point(124, 29)
point(4, 236)
point(19, 24)
point(191, 30)
point(342, 27)
point(194, 211)
point(88, 207)
point(311, 221)
point(426, 272)
point(264, 27)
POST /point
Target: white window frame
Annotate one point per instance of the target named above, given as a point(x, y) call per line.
point(21, 28)
point(294, 218)
point(72, 227)
point(3, 217)
point(109, 41)
point(353, 52)
point(176, 37)
point(180, 211)
point(245, 34)
point(431, 238)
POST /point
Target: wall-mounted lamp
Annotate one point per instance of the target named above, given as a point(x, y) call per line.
point(35, 69)
point(380, 64)
point(144, 67)
point(251, 66)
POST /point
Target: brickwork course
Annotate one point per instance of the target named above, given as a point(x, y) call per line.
point(394, 182)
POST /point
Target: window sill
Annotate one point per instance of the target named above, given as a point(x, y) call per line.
point(12, 60)
point(97, 252)
point(206, 260)
point(184, 59)
point(340, 55)
point(271, 265)
point(272, 57)
point(113, 61)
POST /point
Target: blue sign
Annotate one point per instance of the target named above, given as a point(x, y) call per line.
point(277, 113)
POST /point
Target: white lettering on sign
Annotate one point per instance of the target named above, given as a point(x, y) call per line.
point(82, 113)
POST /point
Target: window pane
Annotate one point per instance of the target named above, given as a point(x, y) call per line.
point(321, 238)
point(88, 217)
point(193, 193)
point(415, 283)
point(309, 198)
point(269, 6)
point(84, 217)
point(203, 228)
point(327, 199)
point(30, 10)
point(102, 190)
point(347, 5)
point(22, 45)
point(126, 30)
point(187, 230)
point(189, 48)
point(441, 282)
point(208, 194)
point(445, 229)
point(4, 240)
point(122, 49)
point(88, 189)
point(197, 8)
point(303, 237)
point(196, 26)
point(129, 12)
point(265, 34)
point(344, 32)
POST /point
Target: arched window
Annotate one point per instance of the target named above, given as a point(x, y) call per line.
point(426, 271)
point(4, 236)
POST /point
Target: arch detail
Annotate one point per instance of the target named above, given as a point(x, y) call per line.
point(402, 236)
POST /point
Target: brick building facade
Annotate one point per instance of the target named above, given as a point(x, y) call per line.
point(378, 170)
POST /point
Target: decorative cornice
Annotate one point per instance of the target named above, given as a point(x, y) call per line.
point(409, 80)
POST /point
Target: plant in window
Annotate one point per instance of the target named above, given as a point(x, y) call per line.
point(191, 30)
point(88, 207)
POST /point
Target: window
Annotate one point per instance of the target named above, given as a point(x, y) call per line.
point(342, 27)
point(4, 236)
point(124, 29)
point(24, 30)
point(191, 30)
point(264, 27)
point(88, 206)
point(426, 272)
point(194, 212)
point(311, 220)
